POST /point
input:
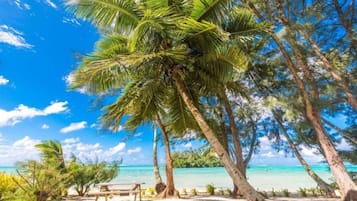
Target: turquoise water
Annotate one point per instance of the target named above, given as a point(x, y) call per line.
point(261, 177)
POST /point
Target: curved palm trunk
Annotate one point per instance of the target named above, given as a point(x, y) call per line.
point(159, 186)
point(170, 187)
point(238, 178)
point(322, 184)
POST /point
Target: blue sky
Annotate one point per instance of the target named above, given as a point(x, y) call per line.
point(38, 43)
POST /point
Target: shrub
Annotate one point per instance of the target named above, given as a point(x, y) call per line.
point(184, 191)
point(194, 191)
point(302, 192)
point(273, 192)
point(85, 175)
point(229, 191)
point(151, 191)
point(210, 189)
point(313, 191)
point(286, 192)
point(8, 185)
point(221, 191)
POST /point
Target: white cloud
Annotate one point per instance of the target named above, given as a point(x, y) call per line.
point(188, 145)
point(135, 150)
point(3, 80)
point(56, 107)
point(71, 2)
point(21, 150)
point(117, 148)
point(49, 2)
point(71, 21)
point(74, 127)
point(1, 137)
point(344, 145)
point(45, 126)
point(12, 37)
point(22, 112)
point(71, 140)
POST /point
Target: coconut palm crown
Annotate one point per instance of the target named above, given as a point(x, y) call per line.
point(164, 56)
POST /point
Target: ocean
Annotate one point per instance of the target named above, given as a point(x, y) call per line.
point(263, 178)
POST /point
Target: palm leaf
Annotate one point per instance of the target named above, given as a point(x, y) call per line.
point(118, 15)
point(214, 11)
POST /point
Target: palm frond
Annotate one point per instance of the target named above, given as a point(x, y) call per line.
point(214, 11)
point(152, 29)
point(118, 15)
point(201, 35)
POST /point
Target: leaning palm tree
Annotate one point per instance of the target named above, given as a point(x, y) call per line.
point(161, 46)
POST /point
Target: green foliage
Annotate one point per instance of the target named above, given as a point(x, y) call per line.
point(210, 189)
point(85, 175)
point(313, 191)
point(194, 192)
point(286, 192)
point(8, 187)
point(273, 192)
point(151, 191)
point(303, 192)
point(184, 191)
point(42, 181)
point(221, 191)
point(195, 158)
point(229, 191)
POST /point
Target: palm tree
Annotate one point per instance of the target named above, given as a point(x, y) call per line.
point(156, 46)
point(52, 153)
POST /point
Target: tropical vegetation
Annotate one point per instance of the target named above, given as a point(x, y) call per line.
point(50, 178)
point(228, 72)
point(195, 159)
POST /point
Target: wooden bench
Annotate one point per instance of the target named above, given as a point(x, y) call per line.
point(107, 190)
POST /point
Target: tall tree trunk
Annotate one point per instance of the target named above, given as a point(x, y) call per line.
point(154, 155)
point(322, 184)
point(224, 136)
point(350, 97)
point(251, 146)
point(344, 181)
point(159, 185)
point(236, 140)
point(238, 178)
point(170, 187)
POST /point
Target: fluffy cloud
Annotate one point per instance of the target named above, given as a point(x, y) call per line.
point(56, 107)
point(73, 127)
point(22, 112)
point(188, 145)
point(117, 148)
point(21, 150)
point(3, 80)
point(94, 151)
point(135, 150)
point(12, 37)
point(267, 155)
point(45, 126)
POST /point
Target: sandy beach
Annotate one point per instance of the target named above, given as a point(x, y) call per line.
point(209, 198)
